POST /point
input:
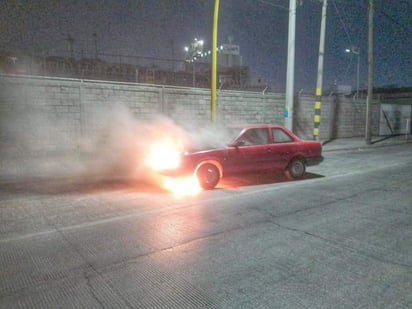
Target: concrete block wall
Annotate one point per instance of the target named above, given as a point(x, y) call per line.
point(187, 105)
point(304, 110)
point(341, 117)
point(100, 100)
point(244, 107)
point(37, 114)
point(351, 118)
point(40, 114)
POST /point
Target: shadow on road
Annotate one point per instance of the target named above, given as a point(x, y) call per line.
point(259, 179)
point(58, 186)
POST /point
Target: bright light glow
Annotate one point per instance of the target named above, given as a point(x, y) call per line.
point(353, 50)
point(182, 186)
point(163, 155)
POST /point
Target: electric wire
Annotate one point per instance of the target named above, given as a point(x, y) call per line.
point(379, 9)
point(273, 4)
point(347, 69)
point(406, 30)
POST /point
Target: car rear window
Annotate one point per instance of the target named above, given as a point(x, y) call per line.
point(280, 136)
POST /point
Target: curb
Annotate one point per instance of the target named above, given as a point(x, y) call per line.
point(374, 144)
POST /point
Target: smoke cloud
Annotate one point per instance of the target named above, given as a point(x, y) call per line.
point(118, 150)
point(113, 146)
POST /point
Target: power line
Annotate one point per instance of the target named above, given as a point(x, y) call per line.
point(394, 21)
point(380, 10)
point(342, 22)
point(273, 4)
point(344, 26)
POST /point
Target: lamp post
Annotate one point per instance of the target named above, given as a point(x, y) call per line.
point(192, 52)
point(355, 51)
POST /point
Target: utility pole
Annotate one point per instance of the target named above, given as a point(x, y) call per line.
point(370, 74)
point(290, 74)
point(357, 53)
point(319, 81)
point(213, 78)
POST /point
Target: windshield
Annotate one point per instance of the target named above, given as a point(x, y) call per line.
point(233, 133)
point(212, 137)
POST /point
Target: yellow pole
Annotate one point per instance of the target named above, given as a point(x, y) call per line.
point(214, 62)
point(319, 81)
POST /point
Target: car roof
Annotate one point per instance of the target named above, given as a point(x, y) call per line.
point(265, 126)
point(254, 126)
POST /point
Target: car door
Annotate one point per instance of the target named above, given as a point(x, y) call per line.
point(283, 148)
point(250, 152)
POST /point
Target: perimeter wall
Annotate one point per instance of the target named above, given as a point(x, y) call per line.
point(40, 114)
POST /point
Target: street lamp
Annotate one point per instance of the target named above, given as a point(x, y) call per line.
point(355, 51)
point(195, 50)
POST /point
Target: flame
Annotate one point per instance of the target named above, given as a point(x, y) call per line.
point(164, 154)
point(182, 186)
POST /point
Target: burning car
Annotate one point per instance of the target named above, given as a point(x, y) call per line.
point(250, 149)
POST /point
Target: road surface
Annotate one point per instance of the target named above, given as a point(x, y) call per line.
point(341, 238)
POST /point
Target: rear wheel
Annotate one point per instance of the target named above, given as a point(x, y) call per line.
point(296, 168)
point(208, 176)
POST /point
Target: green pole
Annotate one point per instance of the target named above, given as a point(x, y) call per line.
point(214, 62)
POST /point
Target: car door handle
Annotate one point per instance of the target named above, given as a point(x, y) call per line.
point(268, 149)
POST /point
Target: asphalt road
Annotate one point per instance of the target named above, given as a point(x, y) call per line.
point(341, 238)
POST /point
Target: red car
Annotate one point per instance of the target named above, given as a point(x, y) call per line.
point(252, 149)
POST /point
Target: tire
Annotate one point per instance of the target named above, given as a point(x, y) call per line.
point(208, 176)
point(296, 169)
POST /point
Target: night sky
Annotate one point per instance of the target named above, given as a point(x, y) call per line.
point(162, 28)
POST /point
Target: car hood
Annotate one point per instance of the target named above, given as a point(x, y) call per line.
point(204, 147)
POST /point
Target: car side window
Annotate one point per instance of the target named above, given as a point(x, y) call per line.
point(257, 136)
point(280, 136)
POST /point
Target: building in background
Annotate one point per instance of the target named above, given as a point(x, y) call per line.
point(189, 72)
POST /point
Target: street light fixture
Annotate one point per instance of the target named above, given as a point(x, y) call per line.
point(355, 51)
point(192, 53)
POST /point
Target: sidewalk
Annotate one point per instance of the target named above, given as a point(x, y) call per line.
point(360, 142)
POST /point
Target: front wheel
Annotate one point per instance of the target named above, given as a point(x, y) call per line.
point(296, 169)
point(208, 176)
